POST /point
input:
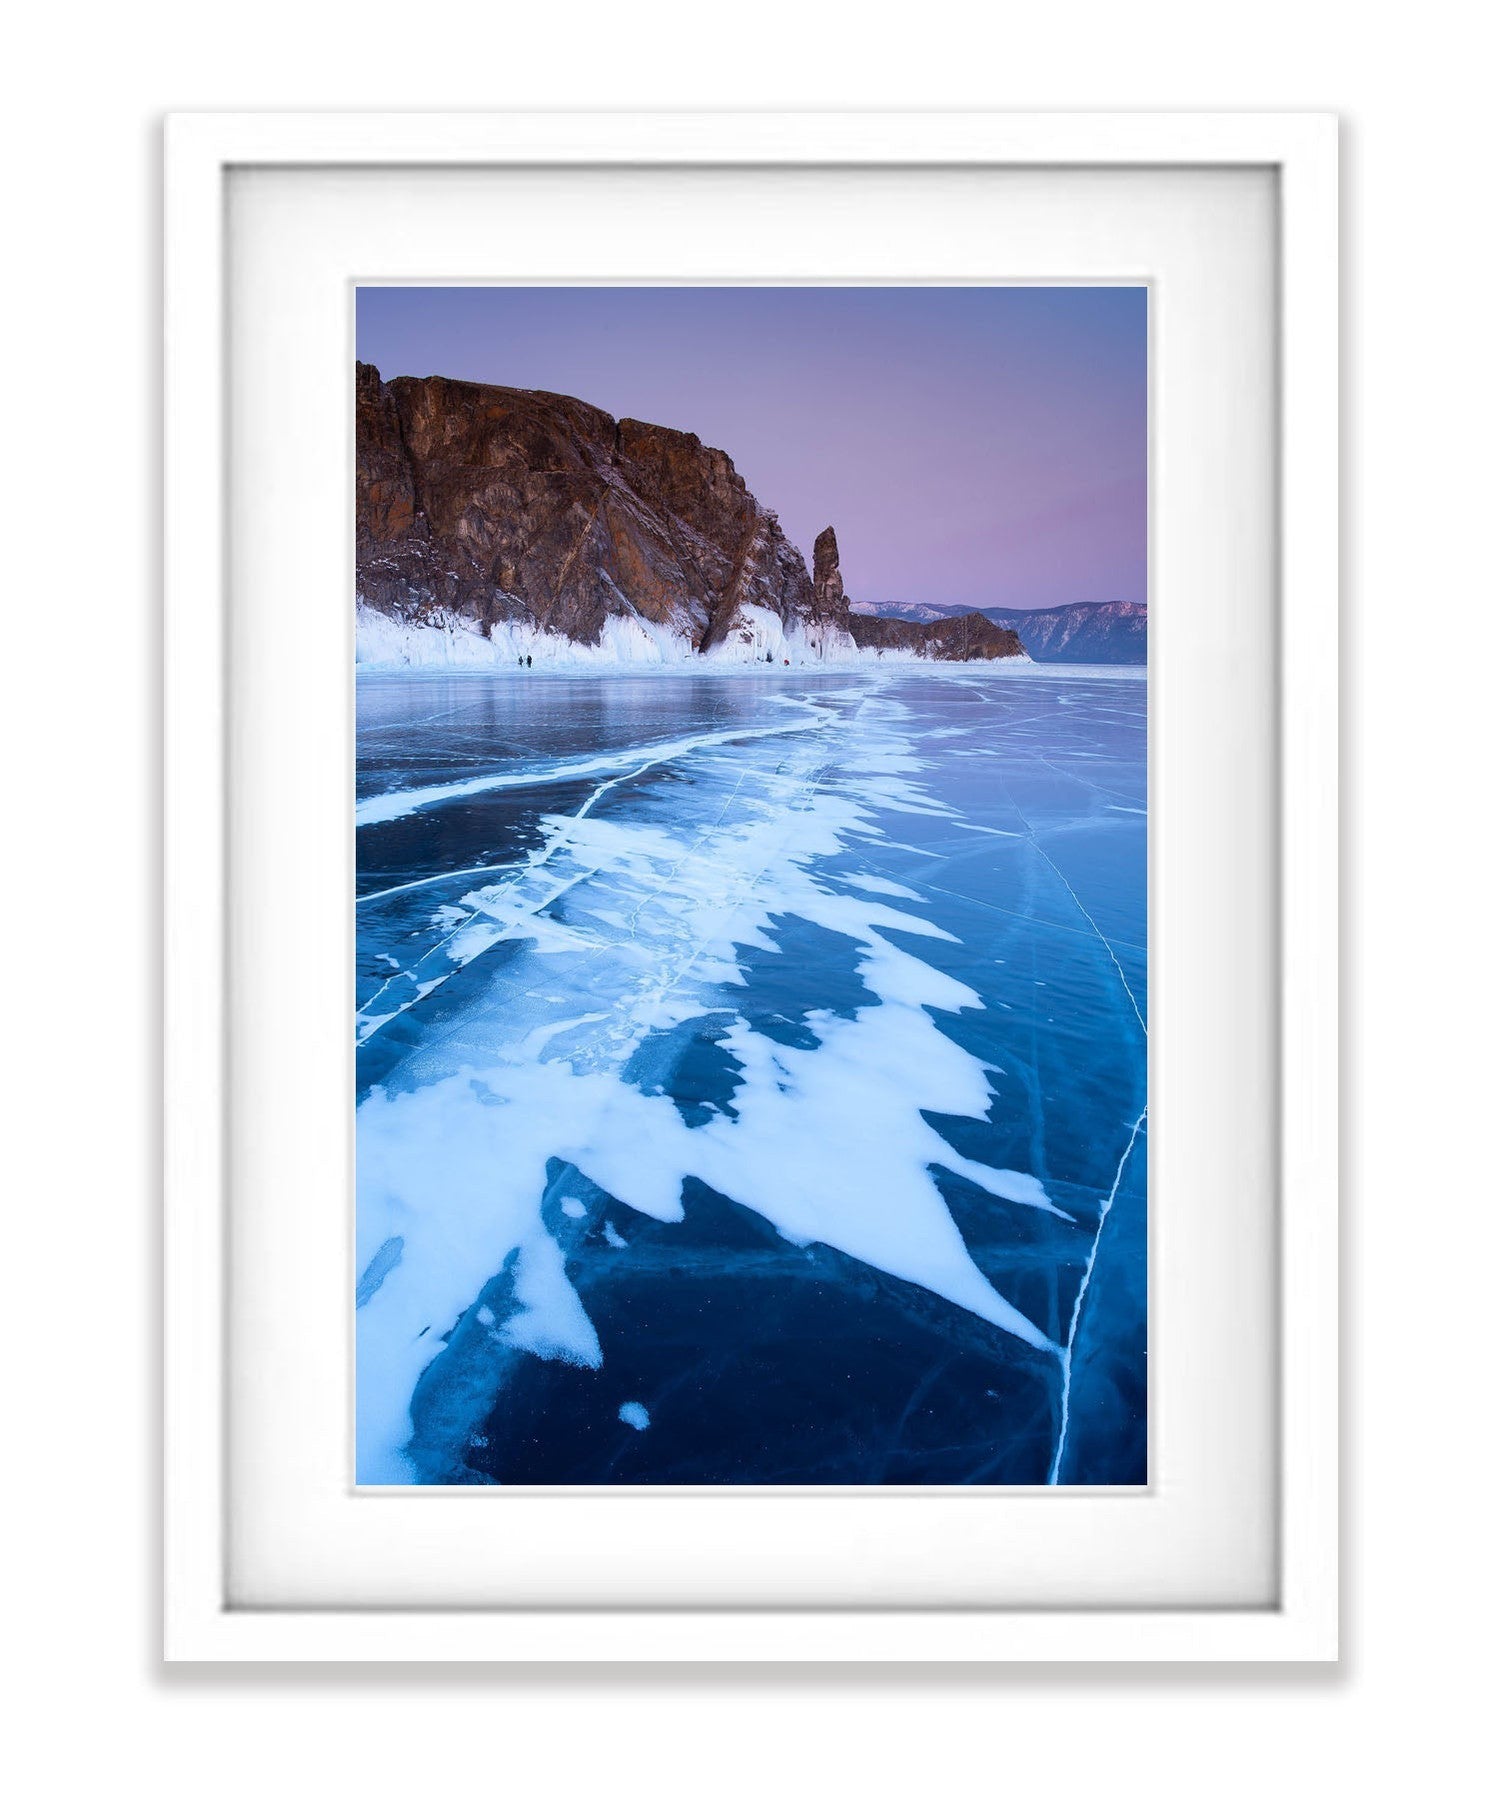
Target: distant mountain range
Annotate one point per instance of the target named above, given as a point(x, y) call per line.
point(1109, 631)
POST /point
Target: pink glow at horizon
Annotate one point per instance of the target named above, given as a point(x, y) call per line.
point(981, 446)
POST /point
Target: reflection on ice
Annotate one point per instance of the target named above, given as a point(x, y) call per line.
point(768, 964)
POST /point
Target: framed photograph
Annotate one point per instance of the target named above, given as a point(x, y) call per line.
point(751, 879)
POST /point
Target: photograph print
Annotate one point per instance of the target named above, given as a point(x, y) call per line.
point(750, 904)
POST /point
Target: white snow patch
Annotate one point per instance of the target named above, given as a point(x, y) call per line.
point(877, 884)
point(451, 641)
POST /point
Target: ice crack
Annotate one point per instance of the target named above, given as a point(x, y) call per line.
point(1082, 1293)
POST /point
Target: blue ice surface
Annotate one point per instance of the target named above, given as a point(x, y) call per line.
point(655, 1064)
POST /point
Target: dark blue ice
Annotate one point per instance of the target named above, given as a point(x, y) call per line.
point(517, 926)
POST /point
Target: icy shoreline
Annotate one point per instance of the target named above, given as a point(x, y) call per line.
point(388, 646)
point(453, 643)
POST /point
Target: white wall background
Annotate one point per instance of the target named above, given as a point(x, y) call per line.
point(79, 372)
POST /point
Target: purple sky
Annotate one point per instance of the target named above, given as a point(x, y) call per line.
point(971, 445)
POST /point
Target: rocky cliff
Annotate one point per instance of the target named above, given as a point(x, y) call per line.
point(502, 517)
point(496, 506)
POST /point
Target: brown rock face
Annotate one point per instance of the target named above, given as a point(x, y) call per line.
point(385, 497)
point(968, 638)
point(496, 503)
point(827, 582)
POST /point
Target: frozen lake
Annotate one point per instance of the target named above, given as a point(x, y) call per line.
point(752, 1077)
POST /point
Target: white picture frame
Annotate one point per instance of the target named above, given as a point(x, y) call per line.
point(204, 1620)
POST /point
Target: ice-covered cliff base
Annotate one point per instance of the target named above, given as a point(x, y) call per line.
point(450, 641)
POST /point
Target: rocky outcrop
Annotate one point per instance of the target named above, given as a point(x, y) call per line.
point(499, 505)
point(964, 637)
point(827, 581)
point(1096, 631)
point(968, 637)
